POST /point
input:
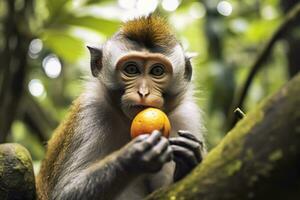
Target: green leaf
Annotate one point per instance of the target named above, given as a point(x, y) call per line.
point(259, 30)
point(95, 1)
point(57, 9)
point(104, 26)
point(63, 44)
point(54, 6)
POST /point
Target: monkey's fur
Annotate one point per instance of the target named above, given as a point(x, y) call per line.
point(91, 154)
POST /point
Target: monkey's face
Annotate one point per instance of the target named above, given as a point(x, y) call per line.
point(136, 78)
point(145, 77)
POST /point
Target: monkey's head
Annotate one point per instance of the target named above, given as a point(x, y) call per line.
point(143, 65)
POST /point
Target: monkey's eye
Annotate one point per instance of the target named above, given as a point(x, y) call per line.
point(131, 69)
point(157, 70)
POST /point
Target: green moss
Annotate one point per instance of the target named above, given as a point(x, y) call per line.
point(276, 155)
point(22, 155)
point(265, 169)
point(1, 169)
point(231, 145)
point(173, 198)
point(195, 189)
point(252, 180)
point(1, 164)
point(25, 163)
point(16, 170)
point(249, 154)
point(233, 167)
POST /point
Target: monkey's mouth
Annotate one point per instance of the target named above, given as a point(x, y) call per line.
point(136, 108)
point(131, 110)
point(139, 106)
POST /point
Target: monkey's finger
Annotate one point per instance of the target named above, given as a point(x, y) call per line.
point(189, 135)
point(187, 143)
point(157, 150)
point(181, 169)
point(184, 142)
point(141, 138)
point(161, 146)
point(181, 164)
point(185, 154)
point(139, 145)
point(166, 156)
point(153, 138)
point(147, 142)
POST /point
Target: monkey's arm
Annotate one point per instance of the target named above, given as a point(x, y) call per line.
point(188, 153)
point(103, 180)
point(106, 178)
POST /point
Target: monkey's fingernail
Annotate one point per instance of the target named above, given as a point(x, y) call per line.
point(182, 132)
point(156, 132)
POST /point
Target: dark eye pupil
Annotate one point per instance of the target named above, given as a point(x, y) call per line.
point(131, 69)
point(157, 71)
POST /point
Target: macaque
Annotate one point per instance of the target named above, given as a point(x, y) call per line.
point(91, 154)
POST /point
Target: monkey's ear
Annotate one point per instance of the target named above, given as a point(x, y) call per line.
point(188, 69)
point(96, 60)
point(188, 66)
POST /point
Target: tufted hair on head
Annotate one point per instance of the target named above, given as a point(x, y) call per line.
point(150, 31)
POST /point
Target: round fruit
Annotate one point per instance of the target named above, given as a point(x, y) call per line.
point(149, 120)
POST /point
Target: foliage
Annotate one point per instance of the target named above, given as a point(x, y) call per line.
point(226, 47)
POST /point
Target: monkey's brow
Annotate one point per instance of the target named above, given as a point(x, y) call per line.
point(140, 46)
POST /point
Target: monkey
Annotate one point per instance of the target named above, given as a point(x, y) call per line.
point(91, 154)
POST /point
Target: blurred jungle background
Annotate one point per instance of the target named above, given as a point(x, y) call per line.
point(44, 59)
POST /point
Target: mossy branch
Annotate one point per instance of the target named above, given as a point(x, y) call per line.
point(16, 173)
point(258, 159)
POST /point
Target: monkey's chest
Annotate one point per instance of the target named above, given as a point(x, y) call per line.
point(146, 184)
point(135, 190)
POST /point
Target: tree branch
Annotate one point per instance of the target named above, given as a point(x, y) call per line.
point(14, 60)
point(17, 177)
point(287, 24)
point(258, 159)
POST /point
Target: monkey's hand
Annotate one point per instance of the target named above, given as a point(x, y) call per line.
point(187, 153)
point(146, 153)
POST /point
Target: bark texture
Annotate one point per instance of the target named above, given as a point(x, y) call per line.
point(258, 159)
point(16, 173)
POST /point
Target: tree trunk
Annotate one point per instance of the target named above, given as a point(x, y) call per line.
point(258, 159)
point(13, 66)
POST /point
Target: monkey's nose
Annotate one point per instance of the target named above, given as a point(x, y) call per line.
point(143, 92)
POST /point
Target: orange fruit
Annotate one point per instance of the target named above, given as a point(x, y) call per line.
point(149, 120)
